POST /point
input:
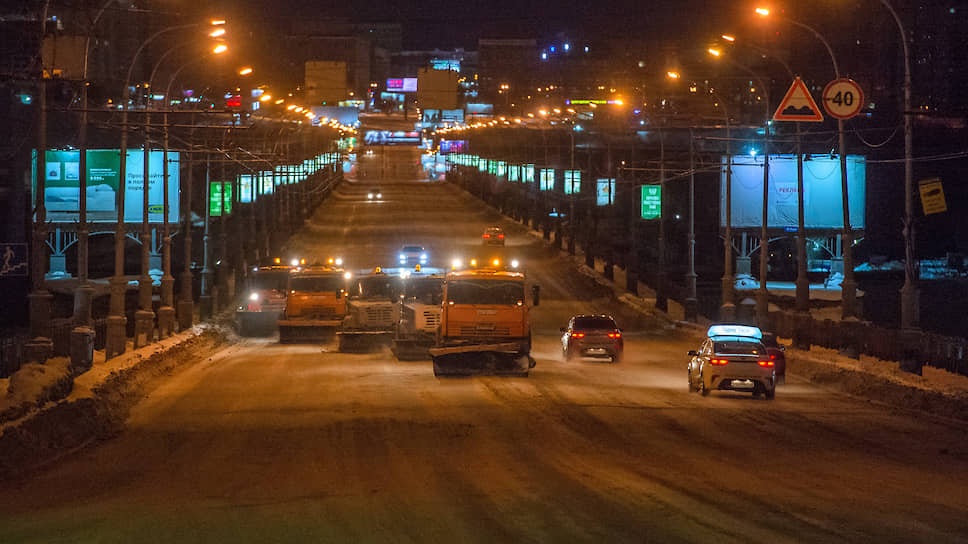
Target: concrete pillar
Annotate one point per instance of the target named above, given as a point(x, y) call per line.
point(81, 350)
point(144, 328)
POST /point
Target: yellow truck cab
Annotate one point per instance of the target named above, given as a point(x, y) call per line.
point(316, 303)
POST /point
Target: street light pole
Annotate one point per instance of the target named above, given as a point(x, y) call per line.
point(692, 301)
point(910, 306)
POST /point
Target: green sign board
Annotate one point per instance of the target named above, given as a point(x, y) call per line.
point(651, 201)
point(219, 198)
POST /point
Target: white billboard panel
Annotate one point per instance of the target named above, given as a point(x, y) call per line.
point(823, 207)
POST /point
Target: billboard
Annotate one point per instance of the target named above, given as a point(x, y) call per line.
point(605, 191)
point(62, 191)
point(325, 81)
point(822, 204)
point(388, 137)
point(438, 89)
point(402, 84)
point(452, 146)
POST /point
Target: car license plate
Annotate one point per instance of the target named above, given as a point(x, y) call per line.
point(596, 351)
point(743, 384)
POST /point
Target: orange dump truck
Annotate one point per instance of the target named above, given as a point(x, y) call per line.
point(316, 304)
point(484, 323)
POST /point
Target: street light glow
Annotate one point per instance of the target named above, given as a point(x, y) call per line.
point(217, 32)
point(762, 11)
point(728, 38)
point(218, 22)
point(291, 107)
point(245, 71)
point(265, 98)
point(714, 52)
point(220, 48)
point(672, 75)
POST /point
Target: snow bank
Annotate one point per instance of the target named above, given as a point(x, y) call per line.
point(33, 385)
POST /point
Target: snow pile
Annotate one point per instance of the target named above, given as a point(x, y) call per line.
point(833, 280)
point(746, 281)
point(951, 268)
point(33, 385)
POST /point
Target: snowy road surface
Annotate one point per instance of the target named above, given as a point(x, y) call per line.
point(269, 442)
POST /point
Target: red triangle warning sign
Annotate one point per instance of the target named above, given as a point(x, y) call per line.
point(798, 105)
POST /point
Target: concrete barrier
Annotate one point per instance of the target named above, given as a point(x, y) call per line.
point(619, 276)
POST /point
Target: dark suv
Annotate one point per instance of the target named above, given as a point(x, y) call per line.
point(592, 336)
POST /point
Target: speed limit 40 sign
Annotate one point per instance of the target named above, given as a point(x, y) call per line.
point(843, 98)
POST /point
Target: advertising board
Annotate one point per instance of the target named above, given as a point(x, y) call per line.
point(822, 203)
point(62, 185)
point(402, 84)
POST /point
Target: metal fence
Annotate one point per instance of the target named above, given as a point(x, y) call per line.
point(920, 347)
point(11, 354)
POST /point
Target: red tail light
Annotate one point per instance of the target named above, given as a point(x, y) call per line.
point(577, 335)
point(614, 335)
point(486, 236)
point(772, 357)
point(718, 361)
point(765, 363)
point(501, 236)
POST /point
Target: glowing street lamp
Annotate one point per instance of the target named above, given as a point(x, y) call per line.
point(245, 71)
point(673, 74)
point(265, 98)
point(220, 48)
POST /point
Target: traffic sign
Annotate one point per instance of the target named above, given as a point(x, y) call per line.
point(13, 260)
point(798, 105)
point(843, 98)
point(932, 196)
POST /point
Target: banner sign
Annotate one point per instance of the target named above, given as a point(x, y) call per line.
point(651, 201)
point(219, 198)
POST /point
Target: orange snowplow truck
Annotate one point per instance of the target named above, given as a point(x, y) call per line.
point(316, 304)
point(484, 324)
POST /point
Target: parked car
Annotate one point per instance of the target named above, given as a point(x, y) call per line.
point(592, 336)
point(732, 357)
point(493, 236)
point(777, 353)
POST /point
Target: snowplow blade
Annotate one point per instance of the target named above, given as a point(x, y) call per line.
point(363, 341)
point(296, 331)
point(499, 359)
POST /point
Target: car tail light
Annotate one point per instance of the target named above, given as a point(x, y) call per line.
point(718, 361)
point(486, 236)
point(772, 357)
point(577, 335)
point(501, 236)
point(614, 335)
point(765, 363)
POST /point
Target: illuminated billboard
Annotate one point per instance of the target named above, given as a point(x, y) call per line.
point(822, 204)
point(605, 191)
point(387, 137)
point(402, 84)
point(62, 191)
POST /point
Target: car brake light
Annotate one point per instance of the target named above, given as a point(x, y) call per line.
point(765, 363)
point(772, 357)
point(487, 236)
point(501, 236)
point(614, 335)
point(577, 335)
point(718, 361)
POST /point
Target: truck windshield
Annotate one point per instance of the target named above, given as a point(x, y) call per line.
point(485, 292)
point(265, 281)
point(424, 290)
point(376, 287)
point(316, 284)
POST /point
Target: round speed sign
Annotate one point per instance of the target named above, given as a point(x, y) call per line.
point(843, 98)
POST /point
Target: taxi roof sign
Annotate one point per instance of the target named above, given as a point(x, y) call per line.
point(735, 330)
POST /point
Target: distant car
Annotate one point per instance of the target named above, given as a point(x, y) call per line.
point(374, 194)
point(592, 336)
point(732, 357)
point(413, 255)
point(777, 354)
point(493, 236)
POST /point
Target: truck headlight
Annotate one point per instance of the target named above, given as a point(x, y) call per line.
point(254, 296)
